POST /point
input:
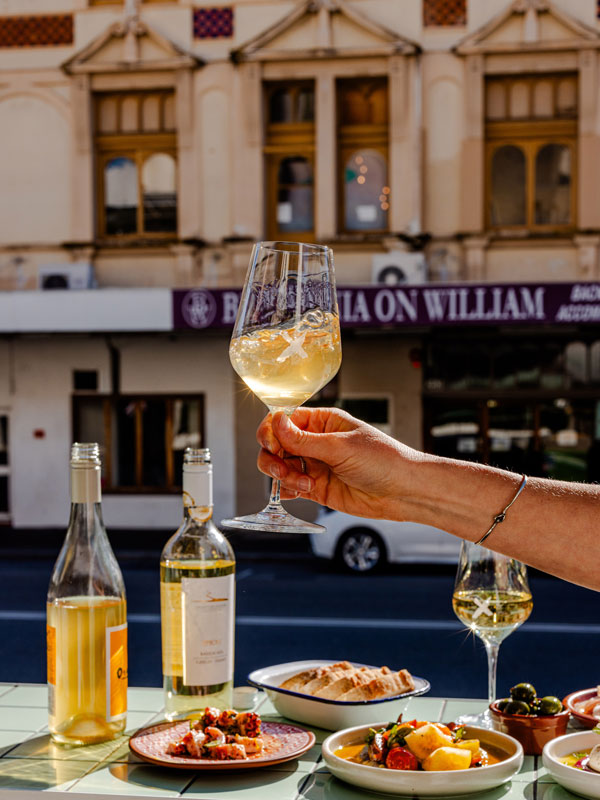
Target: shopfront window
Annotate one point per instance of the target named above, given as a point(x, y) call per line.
point(143, 438)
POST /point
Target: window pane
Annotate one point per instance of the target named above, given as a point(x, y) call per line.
point(169, 113)
point(120, 196)
point(366, 191)
point(108, 115)
point(125, 429)
point(3, 494)
point(519, 101)
point(129, 115)
point(543, 100)
point(508, 187)
point(89, 423)
point(280, 106)
point(3, 439)
point(496, 101)
point(295, 195)
point(363, 102)
point(153, 437)
point(553, 185)
point(576, 362)
point(159, 194)
point(454, 433)
point(511, 435)
point(151, 113)
point(186, 432)
point(306, 105)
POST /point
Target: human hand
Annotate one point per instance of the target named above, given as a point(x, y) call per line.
point(350, 466)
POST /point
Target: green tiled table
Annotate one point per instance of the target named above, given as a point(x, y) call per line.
point(30, 763)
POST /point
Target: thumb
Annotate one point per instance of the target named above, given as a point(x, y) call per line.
point(297, 442)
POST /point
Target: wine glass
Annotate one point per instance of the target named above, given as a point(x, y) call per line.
point(492, 598)
point(285, 345)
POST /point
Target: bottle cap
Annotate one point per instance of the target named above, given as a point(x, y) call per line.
point(85, 454)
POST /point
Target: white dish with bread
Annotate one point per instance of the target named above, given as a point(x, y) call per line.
point(337, 694)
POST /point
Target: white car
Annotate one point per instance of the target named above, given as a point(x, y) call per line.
point(361, 545)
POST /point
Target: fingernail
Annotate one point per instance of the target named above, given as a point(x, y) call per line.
point(276, 471)
point(285, 423)
point(304, 484)
point(265, 445)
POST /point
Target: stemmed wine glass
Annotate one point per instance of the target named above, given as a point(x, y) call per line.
point(285, 345)
point(492, 598)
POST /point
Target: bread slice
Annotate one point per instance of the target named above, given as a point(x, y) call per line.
point(321, 681)
point(296, 682)
point(381, 686)
point(346, 682)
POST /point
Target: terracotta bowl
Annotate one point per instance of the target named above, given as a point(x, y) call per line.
point(572, 700)
point(532, 732)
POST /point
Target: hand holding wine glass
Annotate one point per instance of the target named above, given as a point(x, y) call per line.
point(492, 598)
point(285, 344)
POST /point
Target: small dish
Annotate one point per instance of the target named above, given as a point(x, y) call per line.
point(333, 715)
point(573, 702)
point(282, 742)
point(533, 732)
point(575, 780)
point(419, 783)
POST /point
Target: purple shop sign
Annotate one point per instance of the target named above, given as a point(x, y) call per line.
point(418, 306)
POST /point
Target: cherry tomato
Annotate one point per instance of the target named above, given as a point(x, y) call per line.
point(401, 758)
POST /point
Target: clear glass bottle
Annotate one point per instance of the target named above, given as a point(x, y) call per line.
point(197, 601)
point(86, 619)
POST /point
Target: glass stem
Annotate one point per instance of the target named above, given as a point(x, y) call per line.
point(491, 649)
point(274, 499)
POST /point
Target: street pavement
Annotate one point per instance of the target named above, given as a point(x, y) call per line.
point(292, 606)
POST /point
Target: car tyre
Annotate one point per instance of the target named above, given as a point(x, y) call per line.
point(361, 550)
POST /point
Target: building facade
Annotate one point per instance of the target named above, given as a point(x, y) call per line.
point(145, 144)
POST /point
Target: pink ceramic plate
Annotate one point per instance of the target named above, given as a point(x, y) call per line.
point(282, 742)
point(575, 698)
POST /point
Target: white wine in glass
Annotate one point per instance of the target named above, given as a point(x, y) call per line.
point(492, 598)
point(286, 345)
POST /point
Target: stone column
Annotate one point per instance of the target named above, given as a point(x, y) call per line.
point(82, 170)
point(472, 170)
point(247, 175)
point(189, 196)
point(475, 266)
point(588, 246)
point(588, 146)
point(326, 158)
point(405, 173)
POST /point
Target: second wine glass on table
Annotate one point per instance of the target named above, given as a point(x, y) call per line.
point(285, 345)
point(492, 598)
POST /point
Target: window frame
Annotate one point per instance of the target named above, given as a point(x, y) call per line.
point(138, 147)
point(109, 408)
point(286, 140)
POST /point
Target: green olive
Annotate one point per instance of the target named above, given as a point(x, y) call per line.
point(517, 707)
point(501, 704)
point(523, 691)
point(550, 705)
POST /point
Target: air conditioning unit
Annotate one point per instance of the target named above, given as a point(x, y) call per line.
point(398, 267)
point(75, 275)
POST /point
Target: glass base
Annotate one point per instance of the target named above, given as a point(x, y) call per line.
point(272, 522)
point(482, 720)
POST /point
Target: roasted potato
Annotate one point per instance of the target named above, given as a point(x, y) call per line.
point(446, 758)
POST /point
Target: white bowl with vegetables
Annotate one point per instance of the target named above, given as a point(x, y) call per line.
point(445, 766)
point(565, 759)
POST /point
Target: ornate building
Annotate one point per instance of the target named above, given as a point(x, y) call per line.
point(145, 144)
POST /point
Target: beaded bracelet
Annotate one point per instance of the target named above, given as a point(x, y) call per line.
point(502, 515)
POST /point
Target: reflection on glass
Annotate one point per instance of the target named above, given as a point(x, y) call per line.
point(4, 439)
point(508, 187)
point(159, 194)
point(576, 362)
point(511, 435)
point(553, 185)
point(120, 196)
point(455, 433)
point(295, 195)
point(367, 198)
point(280, 106)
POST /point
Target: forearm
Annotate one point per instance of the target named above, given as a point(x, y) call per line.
point(553, 526)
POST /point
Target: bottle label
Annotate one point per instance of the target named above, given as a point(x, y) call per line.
point(85, 484)
point(116, 672)
point(197, 490)
point(208, 625)
point(51, 653)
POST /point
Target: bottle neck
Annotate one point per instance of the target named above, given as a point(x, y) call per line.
point(197, 492)
point(85, 484)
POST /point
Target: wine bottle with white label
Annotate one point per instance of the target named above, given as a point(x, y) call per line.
point(86, 620)
point(197, 601)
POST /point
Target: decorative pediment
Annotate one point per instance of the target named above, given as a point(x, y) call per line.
point(323, 29)
point(530, 25)
point(130, 44)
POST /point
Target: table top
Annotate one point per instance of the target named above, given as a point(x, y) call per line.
point(30, 762)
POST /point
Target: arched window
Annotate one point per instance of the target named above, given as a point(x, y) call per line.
point(295, 194)
point(159, 193)
point(508, 180)
point(366, 193)
point(553, 185)
point(120, 196)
